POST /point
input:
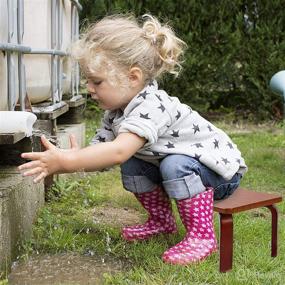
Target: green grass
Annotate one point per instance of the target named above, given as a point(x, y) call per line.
point(65, 224)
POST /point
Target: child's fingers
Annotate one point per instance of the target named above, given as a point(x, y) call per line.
point(46, 143)
point(32, 155)
point(40, 177)
point(33, 171)
point(30, 164)
point(73, 142)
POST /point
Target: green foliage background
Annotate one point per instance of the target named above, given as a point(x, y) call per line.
point(234, 48)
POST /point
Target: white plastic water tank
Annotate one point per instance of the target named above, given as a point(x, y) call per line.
point(3, 55)
point(66, 41)
point(37, 35)
point(3, 58)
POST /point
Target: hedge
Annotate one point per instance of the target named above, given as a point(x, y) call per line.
point(234, 48)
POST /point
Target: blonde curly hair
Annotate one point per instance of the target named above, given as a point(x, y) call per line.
point(117, 43)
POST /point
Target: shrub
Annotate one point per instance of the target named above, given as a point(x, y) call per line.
point(234, 48)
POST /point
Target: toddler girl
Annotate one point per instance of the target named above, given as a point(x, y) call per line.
point(165, 149)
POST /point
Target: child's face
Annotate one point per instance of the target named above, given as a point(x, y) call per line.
point(114, 96)
point(108, 96)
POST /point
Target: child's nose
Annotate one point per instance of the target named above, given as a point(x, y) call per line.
point(91, 88)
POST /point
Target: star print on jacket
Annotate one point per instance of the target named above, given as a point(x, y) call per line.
point(175, 134)
point(196, 128)
point(230, 145)
point(170, 145)
point(101, 139)
point(198, 145)
point(105, 132)
point(225, 160)
point(210, 128)
point(158, 97)
point(171, 127)
point(145, 116)
point(178, 115)
point(216, 143)
point(143, 94)
point(162, 108)
point(197, 156)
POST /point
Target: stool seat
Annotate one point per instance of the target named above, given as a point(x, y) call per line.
point(243, 200)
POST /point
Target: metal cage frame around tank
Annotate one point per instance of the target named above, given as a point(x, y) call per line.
point(55, 52)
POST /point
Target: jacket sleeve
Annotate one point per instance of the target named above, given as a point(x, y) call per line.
point(149, 120)
point(105, 132)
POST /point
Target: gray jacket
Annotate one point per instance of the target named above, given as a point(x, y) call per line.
point(171, 127)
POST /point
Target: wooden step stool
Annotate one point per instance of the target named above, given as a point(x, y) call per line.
point(243, 200)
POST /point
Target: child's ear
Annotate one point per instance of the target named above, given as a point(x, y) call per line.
point(135, 76)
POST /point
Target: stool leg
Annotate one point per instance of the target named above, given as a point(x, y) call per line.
point(274, 225)
point(226, 242)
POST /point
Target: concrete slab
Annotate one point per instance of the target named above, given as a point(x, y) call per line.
point(64, 130)
point(20, 200)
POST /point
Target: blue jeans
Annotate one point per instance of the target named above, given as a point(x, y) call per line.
point(182, 177)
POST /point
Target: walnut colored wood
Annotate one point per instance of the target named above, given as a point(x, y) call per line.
point(274, 226)
point(243, 200)
point(226, 242)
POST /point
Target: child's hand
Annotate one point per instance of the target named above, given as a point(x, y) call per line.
point(73, 144)
point(47, 162)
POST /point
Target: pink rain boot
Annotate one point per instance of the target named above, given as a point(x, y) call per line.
point(197, 216)
point(160, 218)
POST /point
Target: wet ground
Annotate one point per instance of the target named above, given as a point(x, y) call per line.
point(117, 217)
point(74, 269)
point(63, 269)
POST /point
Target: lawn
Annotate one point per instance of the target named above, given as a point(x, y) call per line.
point(85, 214)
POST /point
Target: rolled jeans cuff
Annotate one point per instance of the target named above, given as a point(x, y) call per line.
point(185, 187)
point(137, 184)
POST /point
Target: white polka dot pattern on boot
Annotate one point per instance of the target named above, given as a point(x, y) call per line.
point(160, 219)
point(200, 240)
